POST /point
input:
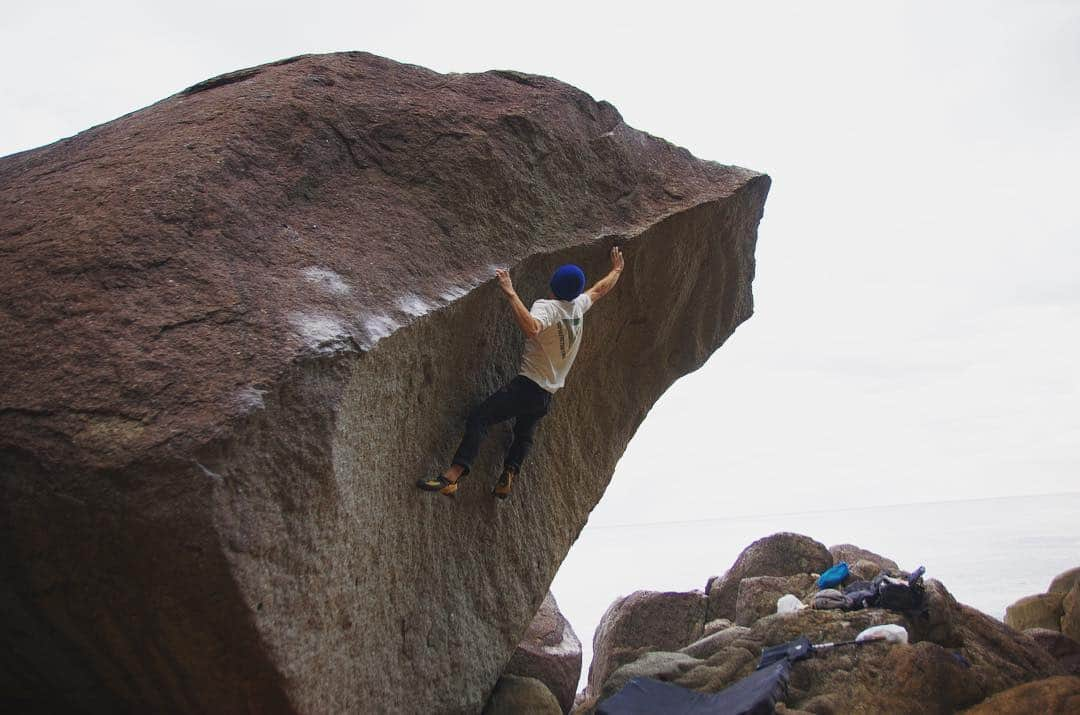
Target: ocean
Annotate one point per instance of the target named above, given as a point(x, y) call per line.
point(987, 552)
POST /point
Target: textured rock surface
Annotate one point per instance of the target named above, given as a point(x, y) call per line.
point(1064, 649)
point(758, 594)
point(1070, 613)
point(239, 323)
point(1065, 581)
point(957, 658)
point(1042, 610)
point(550, 652)
point(657, 665)
point(1059, 695)
point(519, 695)
point(853, 554)
point(783, 554)
point(643, 622)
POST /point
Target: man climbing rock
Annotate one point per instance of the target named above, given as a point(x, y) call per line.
point(553, 331)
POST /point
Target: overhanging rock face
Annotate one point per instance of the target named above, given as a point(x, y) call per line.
point(238, 324)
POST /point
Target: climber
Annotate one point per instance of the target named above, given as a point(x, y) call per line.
point(553, 335)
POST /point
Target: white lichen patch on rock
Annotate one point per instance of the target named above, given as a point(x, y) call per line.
point(378, 327)
point(414, 305)
point(319, 332)
point(326, 280)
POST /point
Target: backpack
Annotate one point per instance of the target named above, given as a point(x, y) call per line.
point(898, 594)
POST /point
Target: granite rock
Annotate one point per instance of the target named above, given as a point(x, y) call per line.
point(238, 324)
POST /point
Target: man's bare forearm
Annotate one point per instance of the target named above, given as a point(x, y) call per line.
point(522, 316)
point(528, 324)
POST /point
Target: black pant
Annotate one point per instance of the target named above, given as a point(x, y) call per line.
point(520, 398)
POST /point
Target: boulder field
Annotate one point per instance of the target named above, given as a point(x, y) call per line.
point(955, 658)
point(237, 325)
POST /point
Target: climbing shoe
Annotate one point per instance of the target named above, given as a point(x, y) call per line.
point(506, 479)
point(438, 484)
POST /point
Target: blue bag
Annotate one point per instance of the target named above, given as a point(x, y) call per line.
point(834, 576)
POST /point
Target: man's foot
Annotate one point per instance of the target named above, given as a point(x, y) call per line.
point(506, 480)
point(438, 484)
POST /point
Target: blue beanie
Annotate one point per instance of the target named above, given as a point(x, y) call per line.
point(568, 282)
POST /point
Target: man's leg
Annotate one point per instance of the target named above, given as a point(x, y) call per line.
point(499, 407)
point(524, 430)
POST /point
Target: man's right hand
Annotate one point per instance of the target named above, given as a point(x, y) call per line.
point(504, 281)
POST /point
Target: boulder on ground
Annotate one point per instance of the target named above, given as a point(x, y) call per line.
point(956, 658)
point(1059, 695)
point(238, 324)
point(718, 624)
point(640, 623)
point(713, 641)
point(783, 554)
point(1064, 649)
point(658, 665)
point(515, 694)
point(758, 595)
point(549, 652)
point(1065, 581)
point(1042, 610)
point(854, 554)
point(1070, 613)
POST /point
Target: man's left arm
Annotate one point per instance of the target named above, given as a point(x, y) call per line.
point(528, 324)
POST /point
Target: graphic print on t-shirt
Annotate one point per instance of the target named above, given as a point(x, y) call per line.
point(569, 331)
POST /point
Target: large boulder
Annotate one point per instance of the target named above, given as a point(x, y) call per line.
point(549, 652)
point(238, 324)
point(1041, 610)
point(640, 623)
point(757, 595)
point(783, 554)
point(853, 554)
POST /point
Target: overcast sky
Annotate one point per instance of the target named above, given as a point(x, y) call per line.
point(917, 326)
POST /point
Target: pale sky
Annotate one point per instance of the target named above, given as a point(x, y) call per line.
point(917, 326)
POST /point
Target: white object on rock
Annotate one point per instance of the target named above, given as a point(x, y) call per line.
point(890, 633)
point(789, 603)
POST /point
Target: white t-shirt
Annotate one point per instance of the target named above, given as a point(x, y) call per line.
point(550, 354)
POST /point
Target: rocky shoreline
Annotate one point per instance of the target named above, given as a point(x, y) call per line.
point(957, 659)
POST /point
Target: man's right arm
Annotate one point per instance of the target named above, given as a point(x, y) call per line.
point(603, 286)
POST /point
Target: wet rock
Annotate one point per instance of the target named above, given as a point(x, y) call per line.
point(239, 323)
